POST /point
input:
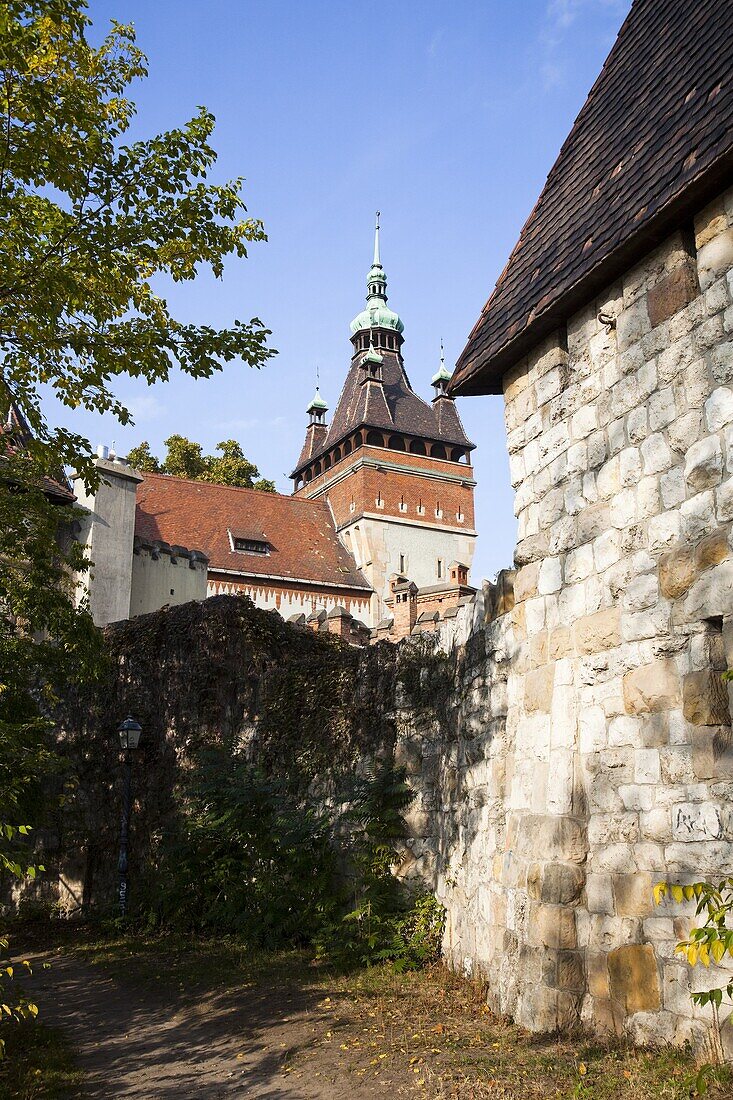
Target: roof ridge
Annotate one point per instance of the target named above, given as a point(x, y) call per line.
point(232, 488)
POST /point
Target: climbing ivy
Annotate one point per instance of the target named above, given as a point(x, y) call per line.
point(304, 708)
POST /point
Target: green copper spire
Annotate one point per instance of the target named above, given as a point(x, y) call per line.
point(317, 408)
point(442, 377)
point(377, 314)
point(317, 402)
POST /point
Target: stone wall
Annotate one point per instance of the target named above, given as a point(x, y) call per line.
point(613, 767)
point(165, 575)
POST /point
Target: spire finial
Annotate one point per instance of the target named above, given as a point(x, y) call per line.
point(442, 377)
point(377, 262)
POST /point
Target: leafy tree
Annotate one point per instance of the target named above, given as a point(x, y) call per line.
point(141, 458)
point(90, 224)
point(186, 459)
point(232, 468)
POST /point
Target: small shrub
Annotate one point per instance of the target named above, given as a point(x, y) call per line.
point(249, 859)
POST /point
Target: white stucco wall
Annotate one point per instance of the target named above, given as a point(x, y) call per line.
point(107, 531)
point(165, 580)
point(378, 543)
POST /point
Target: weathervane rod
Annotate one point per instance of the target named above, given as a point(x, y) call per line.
point(376, 241)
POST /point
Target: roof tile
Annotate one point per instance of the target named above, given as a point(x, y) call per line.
point(303, 541)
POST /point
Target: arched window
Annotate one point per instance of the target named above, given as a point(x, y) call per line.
point(375, 439)
point(337, 455)
point(457, 454)
point(347, 447)
point(327, 462)
point(358, 440)
point(316, 469)
point(396, 443)
point(417, 447)
point(437, 450)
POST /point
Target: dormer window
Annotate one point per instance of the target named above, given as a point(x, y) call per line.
point(249, 546)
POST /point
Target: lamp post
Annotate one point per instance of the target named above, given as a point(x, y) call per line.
point(129, 733)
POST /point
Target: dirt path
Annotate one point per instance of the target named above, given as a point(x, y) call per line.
point(132, 1043)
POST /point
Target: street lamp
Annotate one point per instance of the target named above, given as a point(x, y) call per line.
point(129, 733)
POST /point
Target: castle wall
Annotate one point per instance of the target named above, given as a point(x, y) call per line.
point(163, 579)
point(291, 599)
point(595, 755)
point(383, 546)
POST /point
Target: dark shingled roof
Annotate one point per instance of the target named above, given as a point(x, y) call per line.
point(301, 533)
point(391, 404)
point(652, 145)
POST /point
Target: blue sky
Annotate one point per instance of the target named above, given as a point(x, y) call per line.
point(446, 117)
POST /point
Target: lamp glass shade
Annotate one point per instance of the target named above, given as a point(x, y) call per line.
point(129, 732)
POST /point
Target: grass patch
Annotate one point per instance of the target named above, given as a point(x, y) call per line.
point(426, 1033)
point(187, 968)
point(39, 1065)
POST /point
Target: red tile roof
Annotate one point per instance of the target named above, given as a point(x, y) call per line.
point(304, 545)
point(651, 146)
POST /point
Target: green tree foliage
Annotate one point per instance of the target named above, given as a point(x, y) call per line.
point(141, 458)
point(247, 860)
point(91, 222)
point(709, 942)
point(186, 459)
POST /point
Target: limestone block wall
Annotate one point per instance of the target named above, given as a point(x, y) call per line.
point(620, 763)
point(589, 753)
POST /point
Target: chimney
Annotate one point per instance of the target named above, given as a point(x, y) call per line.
point(404, 606)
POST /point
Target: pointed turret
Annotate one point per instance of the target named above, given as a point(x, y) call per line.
point(441, 378)
point(315, 433)
point(444, 405)
point(317, 408)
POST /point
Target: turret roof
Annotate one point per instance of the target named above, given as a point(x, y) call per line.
point(393, 405)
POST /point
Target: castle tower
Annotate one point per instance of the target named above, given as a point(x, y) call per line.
point(395, 470)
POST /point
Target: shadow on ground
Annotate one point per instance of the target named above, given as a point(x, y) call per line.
point(135, 1042)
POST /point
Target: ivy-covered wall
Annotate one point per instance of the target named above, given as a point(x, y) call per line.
point(307, 707)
